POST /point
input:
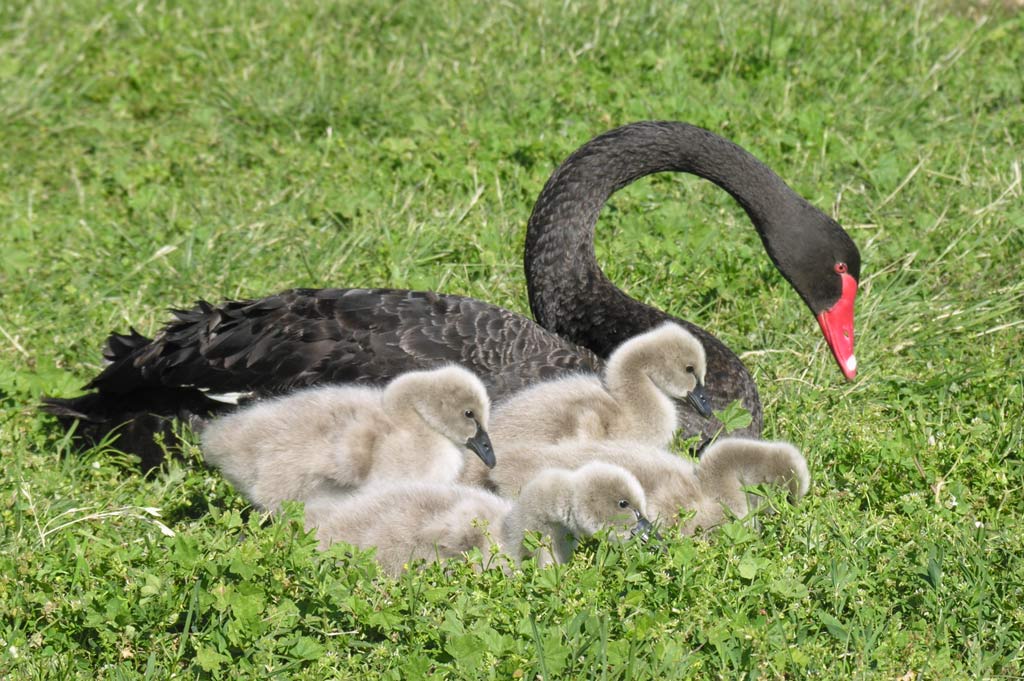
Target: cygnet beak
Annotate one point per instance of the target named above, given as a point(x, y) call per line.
point(642, 528)
point(698, 398)
point(480, 444)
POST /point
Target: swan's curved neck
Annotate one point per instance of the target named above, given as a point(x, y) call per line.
point(543, 506)
point(644, 404)
point(401, 400)
point(569, 294)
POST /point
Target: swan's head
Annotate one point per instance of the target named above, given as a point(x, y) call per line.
point(673, 358)
point(756, 462)
point(820, 261)
point(606, 496)
point(452, 401)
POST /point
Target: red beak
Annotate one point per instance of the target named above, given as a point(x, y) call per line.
point(837, 325)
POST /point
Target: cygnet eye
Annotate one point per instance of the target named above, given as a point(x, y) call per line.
point(623, 503)
point(469, 413)
point(689, 368)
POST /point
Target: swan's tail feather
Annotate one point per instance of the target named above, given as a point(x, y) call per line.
point(120, 345)
point(122, 353)
point(131, 403)
point(136, 423)
point(81, 408)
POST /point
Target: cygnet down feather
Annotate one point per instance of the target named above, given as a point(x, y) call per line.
point(406, 522)
point(335, 439)
point(672, 485)
point(631, 402)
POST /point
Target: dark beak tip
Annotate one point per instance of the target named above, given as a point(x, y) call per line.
point(484, 453)
point(642, 527)
point(646, 532)
point(699, 400)
point(480, 444)
point(487, 458)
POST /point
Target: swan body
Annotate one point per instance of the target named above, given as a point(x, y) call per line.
point(336, 439)
point(307, 336)
point(630, 402)
point(710, 489)
point(419, 521)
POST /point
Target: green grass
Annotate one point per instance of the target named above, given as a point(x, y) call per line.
point(155, 153)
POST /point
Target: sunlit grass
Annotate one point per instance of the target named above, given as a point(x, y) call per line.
point(157, 154)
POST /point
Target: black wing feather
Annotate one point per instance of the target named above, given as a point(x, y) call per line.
point(303, 337)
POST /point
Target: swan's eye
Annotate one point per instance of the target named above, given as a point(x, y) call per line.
point(623, 503)
point(689, 369)
point(469, 413)
point(840, 268)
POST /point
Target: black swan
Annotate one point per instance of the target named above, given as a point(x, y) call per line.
point(306, 336)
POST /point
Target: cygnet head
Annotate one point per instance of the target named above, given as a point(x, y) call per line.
point(452, 401)
point(674, 360)
point(608, 496)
